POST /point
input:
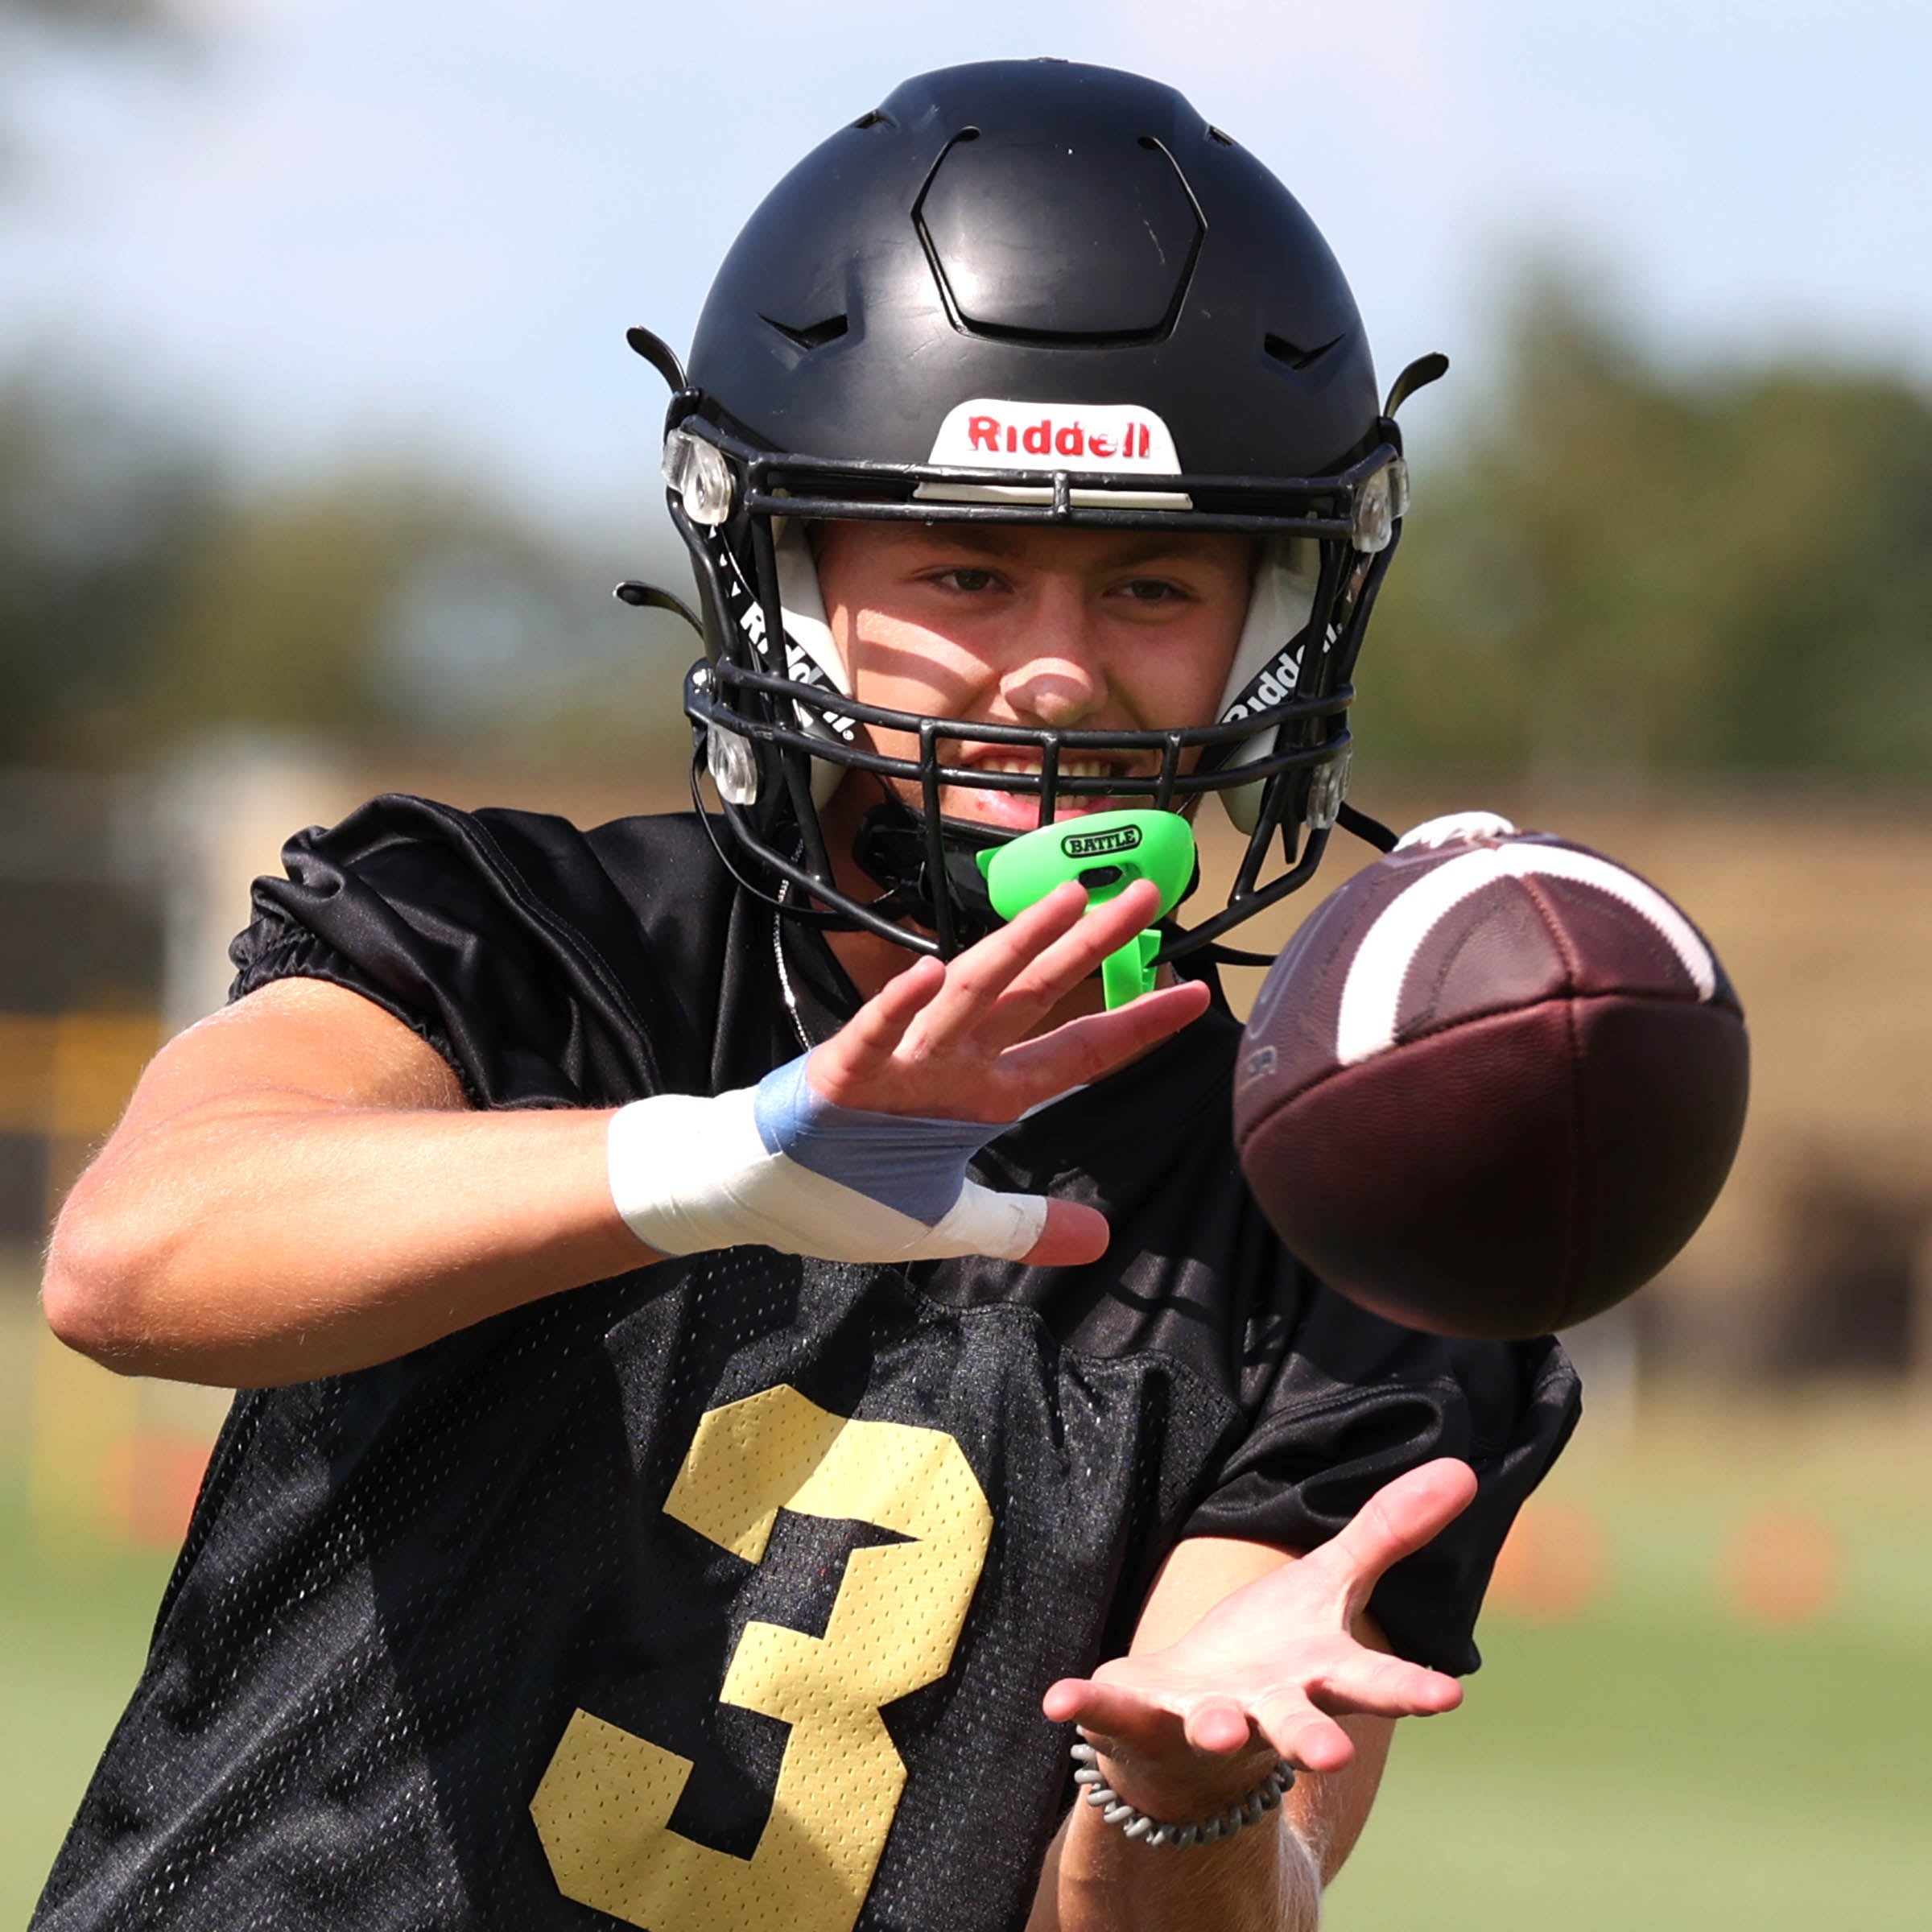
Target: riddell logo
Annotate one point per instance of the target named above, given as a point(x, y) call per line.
point(1276, 685)
point(988, 433)
point(1046, 438)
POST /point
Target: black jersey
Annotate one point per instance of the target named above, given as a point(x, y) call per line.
point(723, 1595)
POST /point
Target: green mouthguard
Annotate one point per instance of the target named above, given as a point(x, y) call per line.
point(1105, 852)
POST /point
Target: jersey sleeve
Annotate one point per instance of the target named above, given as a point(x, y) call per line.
point(496, 937)
point(1355, 1402)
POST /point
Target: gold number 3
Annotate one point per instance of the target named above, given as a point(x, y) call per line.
point(603, 1810)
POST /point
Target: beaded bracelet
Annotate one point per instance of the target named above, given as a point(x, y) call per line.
point(1114, 1809)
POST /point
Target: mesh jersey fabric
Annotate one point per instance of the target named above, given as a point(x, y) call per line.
point(523, 1565)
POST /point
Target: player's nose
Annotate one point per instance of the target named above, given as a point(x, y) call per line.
point(1056, 676)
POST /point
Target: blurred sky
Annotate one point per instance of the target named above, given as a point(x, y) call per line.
point(330, 225)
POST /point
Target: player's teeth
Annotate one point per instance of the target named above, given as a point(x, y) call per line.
point(1070, 768)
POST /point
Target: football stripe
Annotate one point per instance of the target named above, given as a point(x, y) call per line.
point(1371, 996)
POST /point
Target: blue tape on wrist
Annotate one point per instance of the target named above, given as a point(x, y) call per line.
point(906, 1161)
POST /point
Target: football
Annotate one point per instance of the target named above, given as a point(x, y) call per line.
point(1494, 1084)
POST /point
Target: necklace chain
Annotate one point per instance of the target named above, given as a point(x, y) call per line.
point(786, 991)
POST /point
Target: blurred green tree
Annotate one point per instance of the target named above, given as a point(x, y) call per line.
point(389, 605)
point(32, 30)
point(1626, 570)
point(98, 517)
point(92, 13)
point(145, 597)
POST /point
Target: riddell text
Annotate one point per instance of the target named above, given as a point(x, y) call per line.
point(1044, 438)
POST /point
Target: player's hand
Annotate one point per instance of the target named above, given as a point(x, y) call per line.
point(1266, 1672)
point(951, 1041)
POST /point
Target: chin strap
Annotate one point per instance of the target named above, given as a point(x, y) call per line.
point(891, 850)
point(1370, 832)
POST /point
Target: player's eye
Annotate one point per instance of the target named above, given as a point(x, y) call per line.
point(1152, 590)
point(967, 578)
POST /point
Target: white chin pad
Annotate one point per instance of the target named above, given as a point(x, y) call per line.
point(1278, 609)
point(802, 604)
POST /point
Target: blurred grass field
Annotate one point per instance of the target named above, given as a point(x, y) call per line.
point(1638, 1750)
point(1662, 1755)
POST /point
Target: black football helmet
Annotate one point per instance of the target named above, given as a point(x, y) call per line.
point(1025, 292)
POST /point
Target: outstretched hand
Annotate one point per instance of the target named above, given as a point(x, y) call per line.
point(954, 1041)
point(1267, 1671)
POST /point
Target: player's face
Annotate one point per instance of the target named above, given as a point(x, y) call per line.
point(1101, 630)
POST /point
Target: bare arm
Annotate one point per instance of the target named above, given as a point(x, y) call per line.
point(1244, 1653)
point(298, 1189)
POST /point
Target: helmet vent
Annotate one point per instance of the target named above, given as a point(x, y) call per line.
point(1077, 235)
point(816, 335)
point(1220, 140)
point(877, 118)
point(1285, 352)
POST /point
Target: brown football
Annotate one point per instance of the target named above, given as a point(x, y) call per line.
point(1494, 1084)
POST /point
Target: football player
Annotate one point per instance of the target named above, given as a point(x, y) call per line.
point(748, 1359)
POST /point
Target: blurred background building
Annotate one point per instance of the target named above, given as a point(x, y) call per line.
point(320, 448)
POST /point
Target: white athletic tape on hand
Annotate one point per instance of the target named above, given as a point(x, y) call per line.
point(777, 1166)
